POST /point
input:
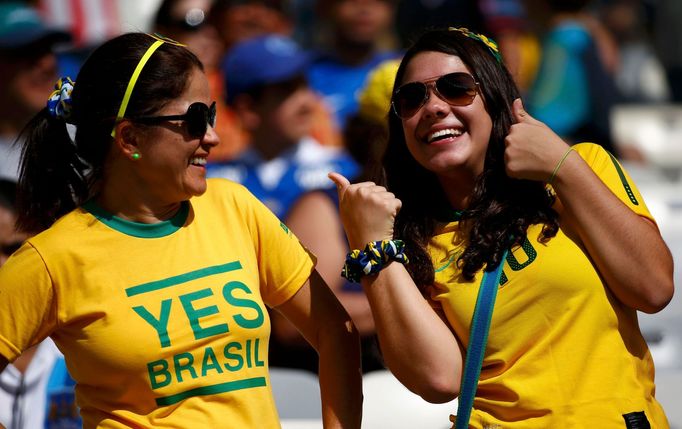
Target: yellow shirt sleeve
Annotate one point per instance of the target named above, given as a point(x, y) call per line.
point(284, 263)
point(27, 302)
point(614, 176)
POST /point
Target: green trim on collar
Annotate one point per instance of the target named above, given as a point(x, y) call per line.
point(136, 229)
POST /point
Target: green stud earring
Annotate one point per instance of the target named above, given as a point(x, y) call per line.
point(136, 156)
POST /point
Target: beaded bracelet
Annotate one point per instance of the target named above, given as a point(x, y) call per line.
point(374, 258)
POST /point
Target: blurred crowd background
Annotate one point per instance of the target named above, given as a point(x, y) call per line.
point(303, 86)
point(579, 63)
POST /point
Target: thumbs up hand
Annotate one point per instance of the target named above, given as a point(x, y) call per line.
point(367, 211)
point(532, 149)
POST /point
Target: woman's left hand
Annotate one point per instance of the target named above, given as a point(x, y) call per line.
point(532, 148)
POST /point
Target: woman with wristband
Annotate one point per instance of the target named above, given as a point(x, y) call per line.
point(152, 280)
point(473, 183)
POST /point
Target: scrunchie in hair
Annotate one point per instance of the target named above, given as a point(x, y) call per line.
point(59, 103)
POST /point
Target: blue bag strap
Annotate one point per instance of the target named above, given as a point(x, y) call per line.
point(478, 337)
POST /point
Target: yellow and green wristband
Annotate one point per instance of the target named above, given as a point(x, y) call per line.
point(374, 258)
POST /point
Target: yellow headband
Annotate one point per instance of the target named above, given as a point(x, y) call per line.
point(133, 80)
point(160, 40)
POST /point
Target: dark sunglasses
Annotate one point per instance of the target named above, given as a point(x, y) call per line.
point(198, 117)
point(456, 89)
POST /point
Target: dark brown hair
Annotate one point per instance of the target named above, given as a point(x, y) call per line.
point(501, 208)
point(58, 174)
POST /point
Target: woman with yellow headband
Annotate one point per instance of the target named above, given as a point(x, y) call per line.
point(152, 280)
point(501, 265)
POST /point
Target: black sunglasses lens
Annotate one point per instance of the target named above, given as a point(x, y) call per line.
point(459, 89)
point(197, 119)
point(212, 115)
point(409, 98)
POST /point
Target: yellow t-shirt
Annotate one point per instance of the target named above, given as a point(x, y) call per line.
point(562, 351)
point(161, 325)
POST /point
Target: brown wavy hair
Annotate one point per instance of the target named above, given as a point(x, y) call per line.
point(501, 208)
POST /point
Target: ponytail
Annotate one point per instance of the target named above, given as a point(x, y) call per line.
point(58, 174)
point(52, 178)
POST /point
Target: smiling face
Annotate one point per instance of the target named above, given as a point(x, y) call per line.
point(450, 141)
point(172, 165)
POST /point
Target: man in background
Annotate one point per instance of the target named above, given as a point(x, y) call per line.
point(268, 91)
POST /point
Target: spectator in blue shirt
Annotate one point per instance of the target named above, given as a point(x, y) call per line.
point(267, 88)
point(359, 34)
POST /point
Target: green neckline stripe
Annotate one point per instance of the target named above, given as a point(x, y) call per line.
point(212, 390)
point(624, 181)
point(137, 229)
point(182, 278)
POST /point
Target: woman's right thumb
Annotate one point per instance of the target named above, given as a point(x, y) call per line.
point(341, 182)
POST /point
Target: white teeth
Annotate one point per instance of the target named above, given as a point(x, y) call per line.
point(445, 132)
point(197, 161)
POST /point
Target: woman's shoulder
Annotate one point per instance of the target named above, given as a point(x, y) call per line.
point(228, 196)
point(592, 152)
point(221, 184)
point(219, 188)
point(317, 197)
point(63, 229)
point(319, 202)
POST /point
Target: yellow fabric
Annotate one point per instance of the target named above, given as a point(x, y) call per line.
point(163, 332)
point(562, 351)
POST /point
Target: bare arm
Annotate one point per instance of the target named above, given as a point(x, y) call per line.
point(315, 221)
point(417, 345)
point(318, 315)
point(627, 249)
